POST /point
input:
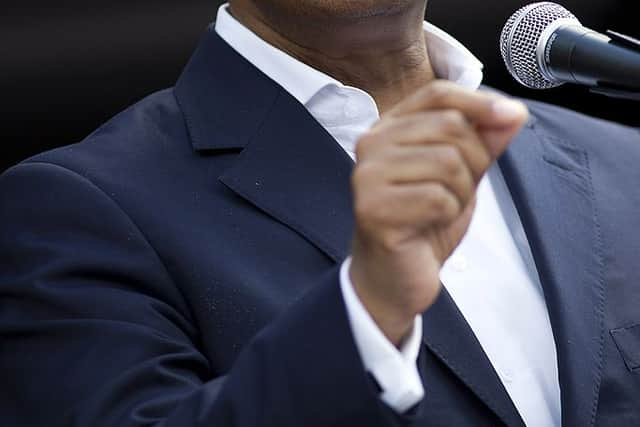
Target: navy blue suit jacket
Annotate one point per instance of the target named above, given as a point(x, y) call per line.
point(179, 268)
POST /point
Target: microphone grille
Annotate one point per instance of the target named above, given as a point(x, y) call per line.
point(520, 39)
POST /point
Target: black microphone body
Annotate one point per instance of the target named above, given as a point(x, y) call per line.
point(575, 54)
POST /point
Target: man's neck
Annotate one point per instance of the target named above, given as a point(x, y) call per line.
point(383, 54)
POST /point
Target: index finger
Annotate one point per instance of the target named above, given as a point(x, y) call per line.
point(485, 109)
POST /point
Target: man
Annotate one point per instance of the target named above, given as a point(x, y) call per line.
point(196, 260)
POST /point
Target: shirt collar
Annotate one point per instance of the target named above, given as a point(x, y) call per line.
point(449, 58)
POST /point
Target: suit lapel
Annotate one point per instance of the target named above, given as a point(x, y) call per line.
point(449, 337)
point(296, 172)
point(551, 186)
point(289, 166)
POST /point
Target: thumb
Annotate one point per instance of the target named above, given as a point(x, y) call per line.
point(507, 119)
point(457, 230)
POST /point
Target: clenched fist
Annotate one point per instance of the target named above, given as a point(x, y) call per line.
point(414, 191)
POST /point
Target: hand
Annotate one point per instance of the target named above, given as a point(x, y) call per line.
point(414, 191)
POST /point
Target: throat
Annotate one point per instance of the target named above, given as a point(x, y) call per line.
point(388, 74)
point(384, 54)
point(388, 77)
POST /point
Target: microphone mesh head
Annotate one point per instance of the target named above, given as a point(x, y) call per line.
point(520, 39)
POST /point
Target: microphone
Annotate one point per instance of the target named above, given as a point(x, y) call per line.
point(544, 46)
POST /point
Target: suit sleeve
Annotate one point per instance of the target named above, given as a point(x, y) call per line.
point(94, 332)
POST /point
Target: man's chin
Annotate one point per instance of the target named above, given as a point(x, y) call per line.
point(360, 9)
point(345, 9)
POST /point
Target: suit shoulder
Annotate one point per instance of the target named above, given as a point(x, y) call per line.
point(142, 149)
point(612, 149)
point(589, 132)
point(152, 128)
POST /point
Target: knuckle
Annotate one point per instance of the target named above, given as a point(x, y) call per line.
point(482, 164)
point(437, 198)
point(453, 122)
point(372, 213)
point(451, 161)
point(388, 241)
point(362, 207)
point(364, 144)
point(439, 91)
point(442, 203)
point(363, 173)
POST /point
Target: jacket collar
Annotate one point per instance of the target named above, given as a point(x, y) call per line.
point(224, 99)
point(449, 59)
point(289, 167)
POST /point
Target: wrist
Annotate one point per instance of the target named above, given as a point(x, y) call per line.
point(393, 319)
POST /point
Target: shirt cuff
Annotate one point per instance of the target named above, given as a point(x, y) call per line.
point(396, 371)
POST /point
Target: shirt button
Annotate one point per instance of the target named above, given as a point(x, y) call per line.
point(507, 376)
point(459, 263)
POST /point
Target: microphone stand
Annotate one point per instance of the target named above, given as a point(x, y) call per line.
point(611, 91)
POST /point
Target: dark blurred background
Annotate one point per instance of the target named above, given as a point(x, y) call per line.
point(67, 66)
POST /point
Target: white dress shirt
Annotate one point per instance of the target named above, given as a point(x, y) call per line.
point(491, 276)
